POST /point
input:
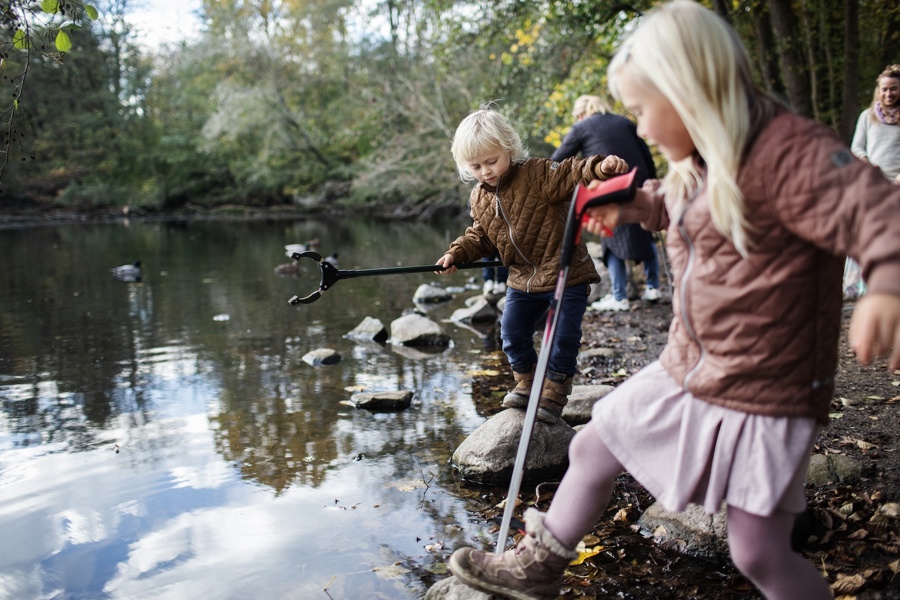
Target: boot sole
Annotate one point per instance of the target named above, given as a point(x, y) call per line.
point(514, 402)
point(488, 588)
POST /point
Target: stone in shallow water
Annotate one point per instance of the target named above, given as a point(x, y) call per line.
point(321, 357)
point(382, 401)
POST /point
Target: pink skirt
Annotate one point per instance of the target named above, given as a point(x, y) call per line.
point(684, 450)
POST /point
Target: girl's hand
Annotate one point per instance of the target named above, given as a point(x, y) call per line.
point(613, 165)
point(875, 328)
point(446, 261)
point(601, 220)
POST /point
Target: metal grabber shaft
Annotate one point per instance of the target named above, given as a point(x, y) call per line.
point(616, 190)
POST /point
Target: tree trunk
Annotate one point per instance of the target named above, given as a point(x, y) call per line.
point(796, 82)
point(851, 70)
point(768, 65)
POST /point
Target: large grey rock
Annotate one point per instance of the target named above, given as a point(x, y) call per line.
point(416, 330)
point(487, 456)
point(454, 589)
point(696, 533)
point(369, 330)
point(833, 468)
point(691, 532)
point(581, 402)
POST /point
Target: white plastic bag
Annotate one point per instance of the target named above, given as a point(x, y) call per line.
point(854, 286)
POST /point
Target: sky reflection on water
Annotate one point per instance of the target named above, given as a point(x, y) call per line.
point(152, 448)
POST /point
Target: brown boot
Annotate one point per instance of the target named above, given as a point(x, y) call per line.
point(518, 397)
point(532, 570)
point(554, 397)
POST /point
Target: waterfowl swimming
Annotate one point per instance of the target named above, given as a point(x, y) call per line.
point(132, 272)
point(293, 268)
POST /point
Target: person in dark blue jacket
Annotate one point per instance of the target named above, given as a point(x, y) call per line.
point(598, 131)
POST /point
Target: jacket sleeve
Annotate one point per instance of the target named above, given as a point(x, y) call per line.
point(560, 178)
point(822, 194)
point(858, 145)
point(474, 243)
point(648, 208)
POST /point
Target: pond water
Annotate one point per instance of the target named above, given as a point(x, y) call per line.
point(164, 439)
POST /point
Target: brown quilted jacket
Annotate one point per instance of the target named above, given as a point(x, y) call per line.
point(524, 219)
point(760, 334)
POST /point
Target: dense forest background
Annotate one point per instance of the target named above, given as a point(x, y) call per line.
point(352, 104)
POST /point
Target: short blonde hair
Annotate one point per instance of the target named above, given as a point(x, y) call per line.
point(696, 60)
point(589, 105)
point(482, 131)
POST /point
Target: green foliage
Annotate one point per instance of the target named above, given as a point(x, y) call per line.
point(30, 32)
point(348, 103)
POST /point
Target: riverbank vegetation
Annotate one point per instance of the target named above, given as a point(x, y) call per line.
point(351, 104)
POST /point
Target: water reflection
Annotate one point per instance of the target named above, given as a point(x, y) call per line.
point(164, 439)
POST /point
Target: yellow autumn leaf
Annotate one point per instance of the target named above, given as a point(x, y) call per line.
point(484, 372)
point(585, 554)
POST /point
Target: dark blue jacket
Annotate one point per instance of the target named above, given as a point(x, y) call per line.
point(605, 134)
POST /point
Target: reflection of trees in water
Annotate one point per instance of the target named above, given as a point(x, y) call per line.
point(283, 423)
point(273, 445)
point(74, 335)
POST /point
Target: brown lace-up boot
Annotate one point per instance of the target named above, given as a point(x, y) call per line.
point(533, 570)
point(518, 397)
point(554, 397)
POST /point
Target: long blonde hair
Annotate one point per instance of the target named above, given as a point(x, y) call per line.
point(696, 60)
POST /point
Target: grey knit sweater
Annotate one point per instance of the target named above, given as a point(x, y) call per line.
point(878, 143)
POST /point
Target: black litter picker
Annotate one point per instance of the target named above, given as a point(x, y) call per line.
point(331, 274)
point(611, 191)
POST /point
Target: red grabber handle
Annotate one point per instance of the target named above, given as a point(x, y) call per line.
point(616, 190)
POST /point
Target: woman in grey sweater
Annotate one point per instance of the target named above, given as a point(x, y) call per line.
point(877, 136)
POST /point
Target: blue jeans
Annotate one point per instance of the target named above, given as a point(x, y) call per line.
point(618, 275)
point(520, 316)
point(498, 274)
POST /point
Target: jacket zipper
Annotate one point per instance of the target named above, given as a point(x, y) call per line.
point(498, 211)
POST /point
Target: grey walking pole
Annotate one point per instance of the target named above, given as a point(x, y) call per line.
point(616, 190)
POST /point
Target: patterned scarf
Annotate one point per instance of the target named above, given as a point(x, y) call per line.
point(889, 116)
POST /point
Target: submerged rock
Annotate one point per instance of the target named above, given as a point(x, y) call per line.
point(382, 401)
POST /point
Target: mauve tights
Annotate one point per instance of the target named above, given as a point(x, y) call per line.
point(760, 546)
